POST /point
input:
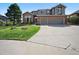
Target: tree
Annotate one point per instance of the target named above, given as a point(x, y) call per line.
point(14, 13)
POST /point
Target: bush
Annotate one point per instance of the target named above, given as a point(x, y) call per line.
point(74, 20)
point(24, 28)
point(12, 28)
point(1, 23)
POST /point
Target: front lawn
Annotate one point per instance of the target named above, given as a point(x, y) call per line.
point(22, 33)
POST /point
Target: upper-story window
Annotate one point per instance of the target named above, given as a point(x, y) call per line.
point(59, 11)
point(48, 11)
point(56, 11)
point(53, 11)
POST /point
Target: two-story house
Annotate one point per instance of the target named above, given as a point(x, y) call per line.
point(55, 15)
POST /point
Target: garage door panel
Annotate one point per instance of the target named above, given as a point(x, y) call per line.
point(44, 21)
point(55, 20)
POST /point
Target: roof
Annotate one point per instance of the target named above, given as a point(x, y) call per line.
point(33, 11)
point(59, 5)
point(3, 17)
point(76, 12)
point(42, 9)
point(28, 13)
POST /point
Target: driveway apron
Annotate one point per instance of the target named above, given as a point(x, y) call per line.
point(52, 36)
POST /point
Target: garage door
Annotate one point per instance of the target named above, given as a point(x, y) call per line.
point(55, 20)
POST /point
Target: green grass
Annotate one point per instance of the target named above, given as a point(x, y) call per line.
point(22, 33)
point(4, 27)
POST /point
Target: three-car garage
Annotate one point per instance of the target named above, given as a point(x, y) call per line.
point(51, 20)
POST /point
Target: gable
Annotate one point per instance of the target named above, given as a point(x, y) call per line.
point(27, 14)
point(61, 6)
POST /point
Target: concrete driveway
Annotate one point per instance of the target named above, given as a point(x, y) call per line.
point(58, 36)
point(49, 40)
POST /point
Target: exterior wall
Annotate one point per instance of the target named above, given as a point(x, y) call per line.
point(39, 12)
point(58, 11)
point(27, 15)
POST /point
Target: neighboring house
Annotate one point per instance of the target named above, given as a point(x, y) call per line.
point(3, 20)
point(76, 13)
point(55, 15)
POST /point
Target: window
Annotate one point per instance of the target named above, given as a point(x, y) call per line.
point(53, 11)
point(59, 11)
point(48, 11)
point(56, 11)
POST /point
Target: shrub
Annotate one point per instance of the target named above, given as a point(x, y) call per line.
point(12, 28)
point(1, 23)
point(24, 28)
point(74, 20)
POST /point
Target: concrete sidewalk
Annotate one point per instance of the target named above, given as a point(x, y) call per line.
point(10, 47)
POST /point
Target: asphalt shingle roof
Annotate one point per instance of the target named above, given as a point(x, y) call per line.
point(77, 12)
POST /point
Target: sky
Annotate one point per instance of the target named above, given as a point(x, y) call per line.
point(28, 7)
